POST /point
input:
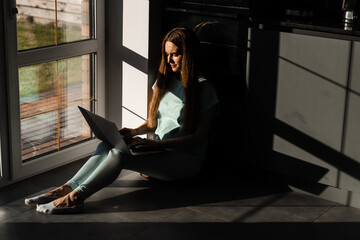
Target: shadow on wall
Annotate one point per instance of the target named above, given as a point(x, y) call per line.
point(307, 149)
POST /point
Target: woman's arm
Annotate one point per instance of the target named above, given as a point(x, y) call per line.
point(198, 137)
point(131, 132)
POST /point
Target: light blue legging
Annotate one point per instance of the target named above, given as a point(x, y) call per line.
point(105, 165)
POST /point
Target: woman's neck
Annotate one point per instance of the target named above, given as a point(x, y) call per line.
point(177, 76)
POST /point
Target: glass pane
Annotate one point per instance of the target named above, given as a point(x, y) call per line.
point(50, 22)
point(38, 134)
point(73, 20)
point(35, 24)
point(74, 88)
point(49, 95)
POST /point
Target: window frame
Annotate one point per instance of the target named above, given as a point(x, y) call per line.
point(14, 59)
point(4, 164)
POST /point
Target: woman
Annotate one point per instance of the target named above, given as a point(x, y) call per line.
point(180, 116)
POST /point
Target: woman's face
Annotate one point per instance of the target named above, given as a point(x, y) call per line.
point(173, 56)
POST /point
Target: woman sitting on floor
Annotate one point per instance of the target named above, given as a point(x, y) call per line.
point(180, 116)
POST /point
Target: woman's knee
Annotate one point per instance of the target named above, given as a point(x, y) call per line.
point(102, 148)
point(116, 157)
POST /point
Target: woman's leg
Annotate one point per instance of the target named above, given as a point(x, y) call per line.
point(168, 166)
point(85, 171)
point(104, 174)
point(90, 166)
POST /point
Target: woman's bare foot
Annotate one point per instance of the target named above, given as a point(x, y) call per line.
point(71, 203)
point(70, 200)
point(59, 192)
point(49, 196)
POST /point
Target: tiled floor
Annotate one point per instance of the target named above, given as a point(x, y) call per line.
point(217, 208)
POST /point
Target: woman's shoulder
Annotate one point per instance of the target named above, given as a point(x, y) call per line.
point(202, 79)
point(206, 88)
point(205, 83)
point(207, 95)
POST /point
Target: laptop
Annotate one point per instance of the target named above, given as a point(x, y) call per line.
point(108, 132)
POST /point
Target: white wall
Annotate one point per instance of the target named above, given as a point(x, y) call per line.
point(135, 81)
point(127, 47)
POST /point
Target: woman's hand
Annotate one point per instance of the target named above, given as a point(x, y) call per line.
point(144, 144)
point(127, 133)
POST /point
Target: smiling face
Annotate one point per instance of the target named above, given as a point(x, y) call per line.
point(173, 56)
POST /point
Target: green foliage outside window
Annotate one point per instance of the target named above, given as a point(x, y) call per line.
point(42, 77)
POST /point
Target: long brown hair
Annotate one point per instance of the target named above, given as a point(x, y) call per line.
point(188, 44)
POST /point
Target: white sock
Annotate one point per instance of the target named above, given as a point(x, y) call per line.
point(46, 208)
point(41, 199)
point(50, 208)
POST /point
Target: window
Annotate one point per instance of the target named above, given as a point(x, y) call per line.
point(51, 22)
point(55, 58)
point(50, 91)
point(49, 95)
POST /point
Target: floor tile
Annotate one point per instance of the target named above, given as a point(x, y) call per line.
point(287, 198)
point(340, 214)
point(6, 213)
point(263, 213)
point(20, 200)
point(251, 231)
point(186, 215)
point(71, 230)
point(192, 231)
